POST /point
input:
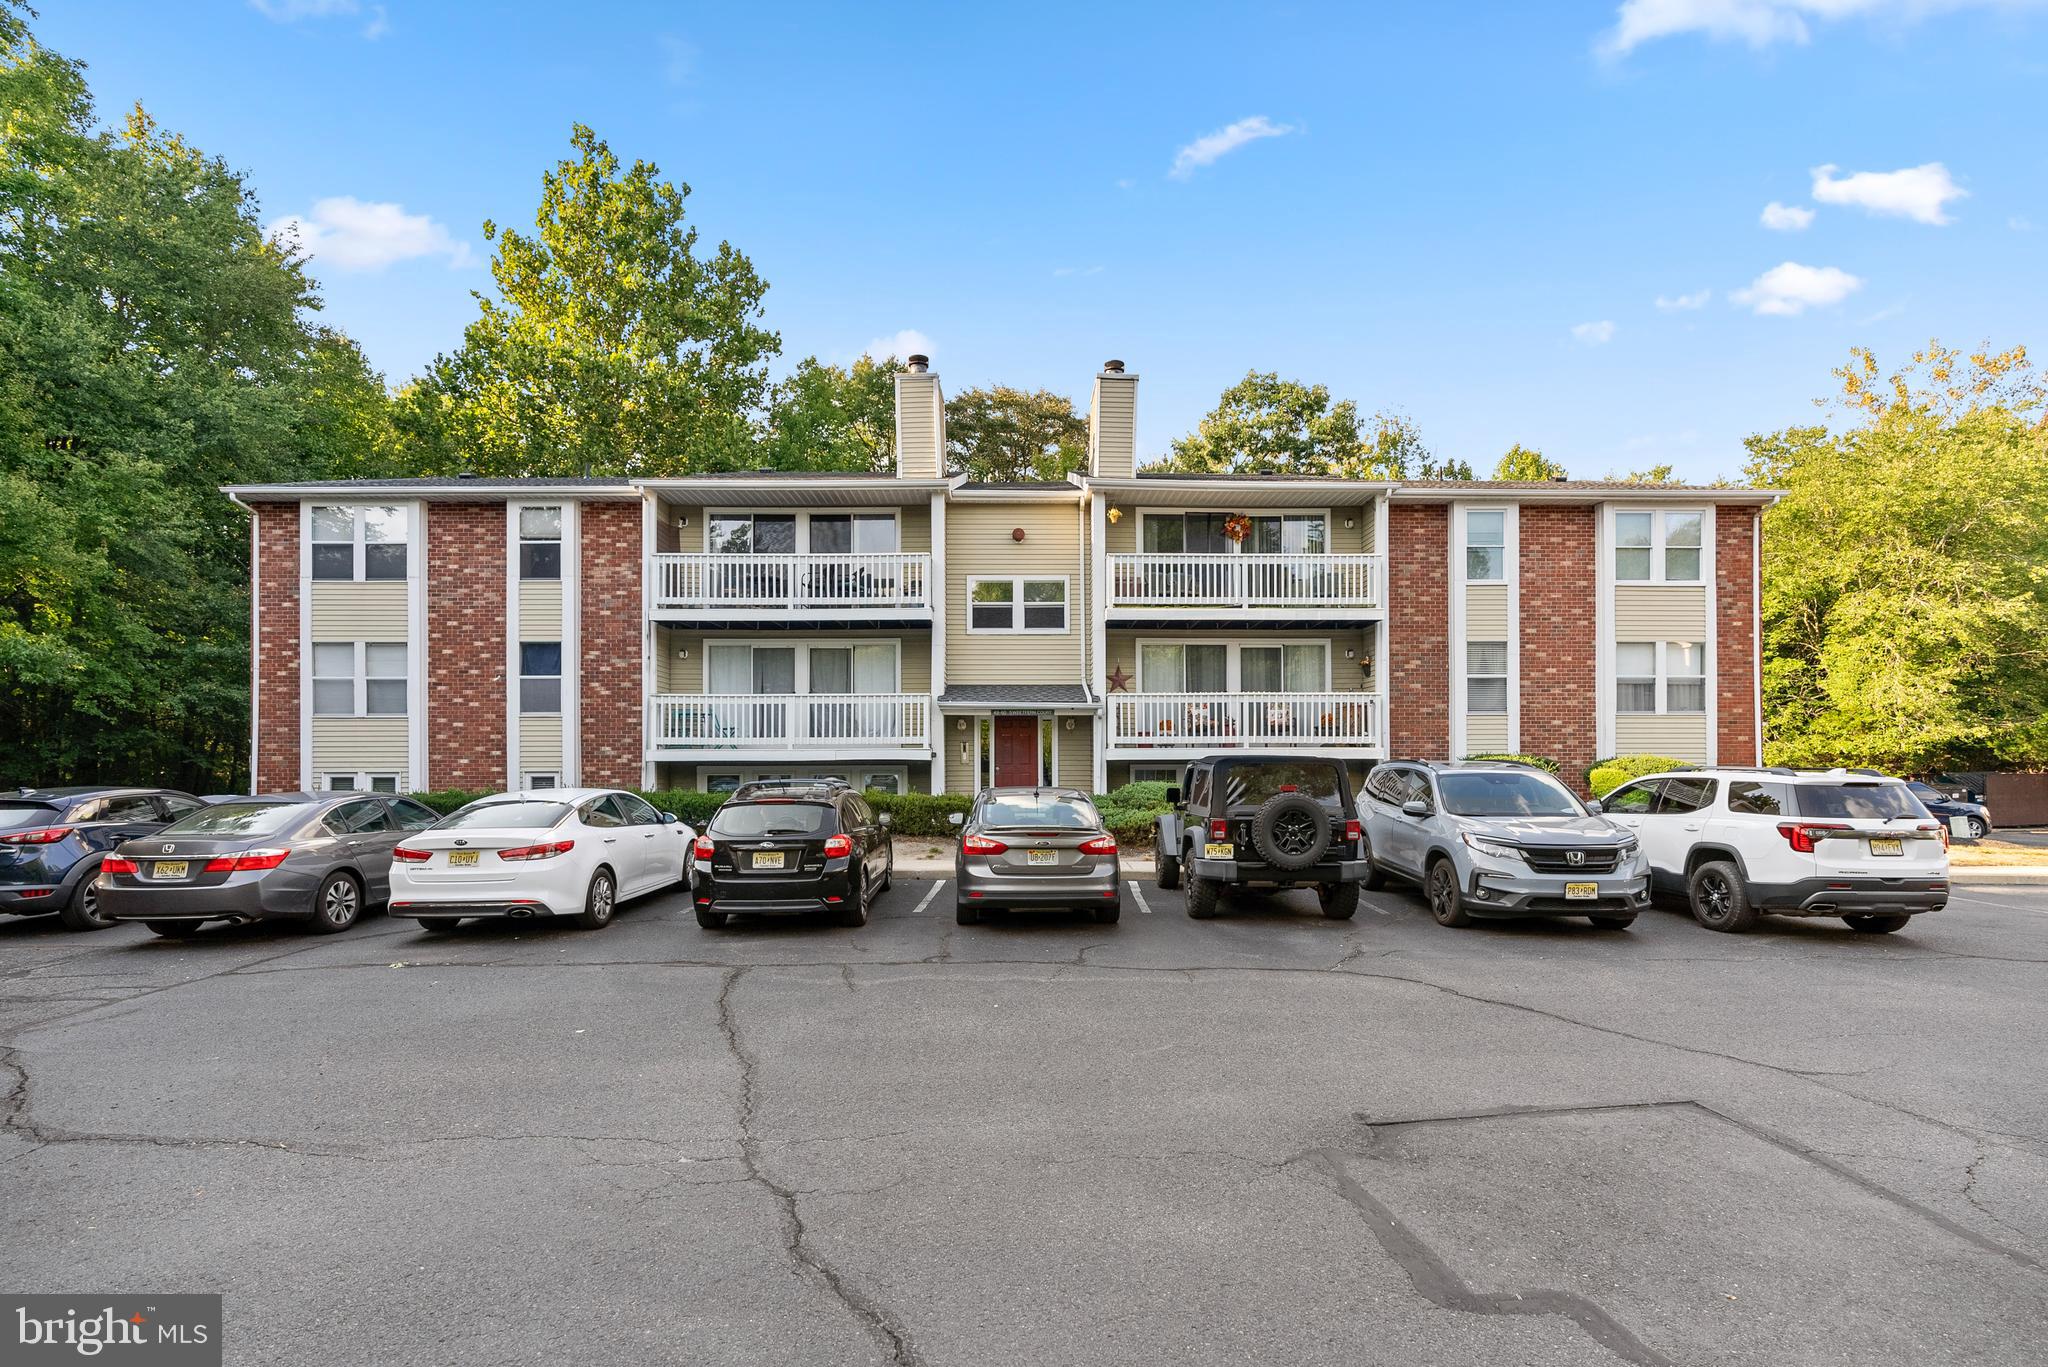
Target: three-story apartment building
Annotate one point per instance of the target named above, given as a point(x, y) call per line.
point(914, 631)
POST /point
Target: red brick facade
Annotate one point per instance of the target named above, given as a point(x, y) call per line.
point(613, 705)
point(465, 647)
point(1418, 683)
point(1735, 609)
point(1560, 609)
point(276, 717)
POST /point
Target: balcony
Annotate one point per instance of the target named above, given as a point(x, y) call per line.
point(820, 726)
point(1142, 723)
point(1300, 582)
point(893, 584)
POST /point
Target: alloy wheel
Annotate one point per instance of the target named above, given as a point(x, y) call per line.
point(1716, 897)
point(340, 903)
point(1294, 833)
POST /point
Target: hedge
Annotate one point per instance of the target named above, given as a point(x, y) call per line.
point(1547, 765)
point(1605, 775)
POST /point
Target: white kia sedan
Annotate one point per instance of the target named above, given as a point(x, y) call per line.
point(573, 852)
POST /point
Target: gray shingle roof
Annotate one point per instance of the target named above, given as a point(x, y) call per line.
point(1016, 695)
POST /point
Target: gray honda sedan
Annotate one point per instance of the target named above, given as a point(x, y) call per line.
point(318, 859)
point(1035, 848)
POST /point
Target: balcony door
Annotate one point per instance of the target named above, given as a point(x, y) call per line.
point(850, 690)
point(856, 578)
point(746, 535)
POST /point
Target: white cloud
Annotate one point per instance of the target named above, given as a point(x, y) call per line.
point(2020, 223)
point(1062, 272)
point(903, 345)
point(1786, 218)
point(1595, 334)
point(1761, 23)
point(291, 11)
point(1789, 289)
point(1678, 303)
point(1918, 192)
point(379, 25)
point(353, 235)
point(1208, 148)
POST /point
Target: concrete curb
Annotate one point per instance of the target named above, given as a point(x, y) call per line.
point(1998, 877)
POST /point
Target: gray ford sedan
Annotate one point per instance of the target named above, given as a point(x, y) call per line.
point(318, 859)
point(1035, 848)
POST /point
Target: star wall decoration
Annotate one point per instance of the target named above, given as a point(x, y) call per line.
point(1119, 682)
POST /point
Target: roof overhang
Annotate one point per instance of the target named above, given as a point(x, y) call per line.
point(1605, 493)
point(1240, 493)
point(823, 491)
point(483, 491)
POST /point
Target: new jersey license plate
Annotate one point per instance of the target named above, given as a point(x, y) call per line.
point(1883, 846)
point(1042, 857)
point(173, 868)
point(461, 859)
point(1214, 850)
point(768, 859)
point(1581, 892)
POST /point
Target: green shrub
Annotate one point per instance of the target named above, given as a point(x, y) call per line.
point(691, 807)
point(1547, 765)
point(1605, 775)
point(920, 814)
point(1146, 794)
point(446, 800)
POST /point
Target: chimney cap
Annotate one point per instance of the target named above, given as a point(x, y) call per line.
point(1560, 479)
point(1112, 367)
point(467, 474)
point(918, 362)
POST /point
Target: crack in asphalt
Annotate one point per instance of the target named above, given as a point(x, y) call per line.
point(879, 1324)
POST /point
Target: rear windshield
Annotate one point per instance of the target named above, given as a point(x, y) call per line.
point(1505, 795)
point(510, 816)
point(743, 819)
point(1251, 784)
point(238, 818)
point(1048, 813)
point(1869, 801)
point(15, 815)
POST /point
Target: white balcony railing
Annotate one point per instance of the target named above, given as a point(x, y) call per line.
point(1279, 721)
point(1173, 580)
point(745, 721)
point(894, 579)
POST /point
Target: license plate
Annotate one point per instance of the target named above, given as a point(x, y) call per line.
point(1212, 850)
point(459, 859)
point(1581, 892)
point(1893, 846)
point(173, 868)
point(770, 860)
point(1042, 857)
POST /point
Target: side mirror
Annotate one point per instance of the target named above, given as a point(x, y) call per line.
point(885, 819)
point(1593, 806)
point(670, 819)
point(955, 819)
point(1173, 795)
point(1415, 807)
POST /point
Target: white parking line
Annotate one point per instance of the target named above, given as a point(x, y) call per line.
point(928, 897)
point(1139, 893)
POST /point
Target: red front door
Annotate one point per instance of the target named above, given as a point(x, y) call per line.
point(1016, 747)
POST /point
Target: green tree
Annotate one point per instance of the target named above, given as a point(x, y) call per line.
point(1265, 425)
point(613, 346)
point(1004, 434)
point(1655, 474)
point(1523, 463)
point(828, 417)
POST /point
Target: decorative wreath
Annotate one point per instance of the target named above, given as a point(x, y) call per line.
point(1237, 527)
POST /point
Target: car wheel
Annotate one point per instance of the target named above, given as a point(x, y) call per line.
point(599, 902)
point(1612, 922)
point(1440, 889)
point(888, 871)
point(1719, 901)
point(81, 911)
point(1978, 827)
point(1204, 897)
point(854, 911)
point(1876, 925)
point(175, 930)
point(1166, 870)
point(1292, 831)
point(336, 905)
point(1375, 876)
point(1340, 900)
point(965, 913)
point(712, 920)
point(439, 925)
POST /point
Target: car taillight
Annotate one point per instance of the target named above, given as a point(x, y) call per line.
point(547, 851)
point(1352, 833)
point(704, 849)
point(114, 863)
point(48, 835)
point(1940, 827)
point(1101, 844)
point(410, 856)
point(981, 844)
point(1219, 829)
point(1802, 834)
point(838, 845)
point(247, 861)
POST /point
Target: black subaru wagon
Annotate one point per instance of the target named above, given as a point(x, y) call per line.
point(792, 852)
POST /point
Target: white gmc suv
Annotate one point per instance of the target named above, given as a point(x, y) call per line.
point(1792, 842)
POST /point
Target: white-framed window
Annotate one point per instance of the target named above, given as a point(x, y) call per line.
point(539, 782)
point(742, 532)
point(882, 781)
point(540, 543)
point(1183, 667)
point(1233, 666)
point(359, 678)
point(540, 677)
point(1290, 667)
point(1660, 677)
point(802, 668)
point(358, 543)
point(1662, 547)
point(1155, 773)
point(1201, 533)
point(1021, 605)
point(1486, 676)
point(1486, 546)
point(360, 783)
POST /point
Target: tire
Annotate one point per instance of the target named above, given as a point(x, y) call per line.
point(1446, 901)
point(1719, 901)
point(965, 913)
point(1375, 876)
point(175, 930)
point(888, 871)
point(81, 910)
point(1204, 897)
point(1612, 922)
point(854, 912)
point(1166, 870)
point(1107, 916)
point(1292, 831)
point(337, 904)
point(712, 920)
point(599, 902)
point(1876, 925)
point(439, 925)
point(1340, 900)
point(1978, 826)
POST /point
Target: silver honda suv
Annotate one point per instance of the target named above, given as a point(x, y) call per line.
point(1499, 840)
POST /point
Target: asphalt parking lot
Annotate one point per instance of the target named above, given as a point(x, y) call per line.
point(1267, 1138)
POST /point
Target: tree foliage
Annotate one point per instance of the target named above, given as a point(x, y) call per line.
point(1264, 425)
point(828, 417)
point(1523, 463)
point(1006, 435)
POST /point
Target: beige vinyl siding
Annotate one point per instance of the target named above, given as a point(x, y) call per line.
point(1121, 648)
point(1116, 420)
point(359, 612)
point(1486, 612)
point(979, 546)
point(917, 426)
point(1355, 539)
point(540, 744)
point(914, 529)
point(1486, 733)
point(1655, 612)
point(540, 609)
point(359, 745)
point(1121, 536)
point(1677, 735)
point(1077, 753)
point(667, 539)
point(674, 675)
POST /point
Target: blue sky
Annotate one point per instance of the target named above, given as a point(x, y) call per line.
point(1467, 213)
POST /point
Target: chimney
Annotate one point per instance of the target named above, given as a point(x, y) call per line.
point(920, 422)
point(1113, 424)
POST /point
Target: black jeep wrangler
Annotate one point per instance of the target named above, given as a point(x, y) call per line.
point(1263, 821)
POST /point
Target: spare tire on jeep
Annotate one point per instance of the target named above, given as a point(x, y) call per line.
point(1291, 831)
